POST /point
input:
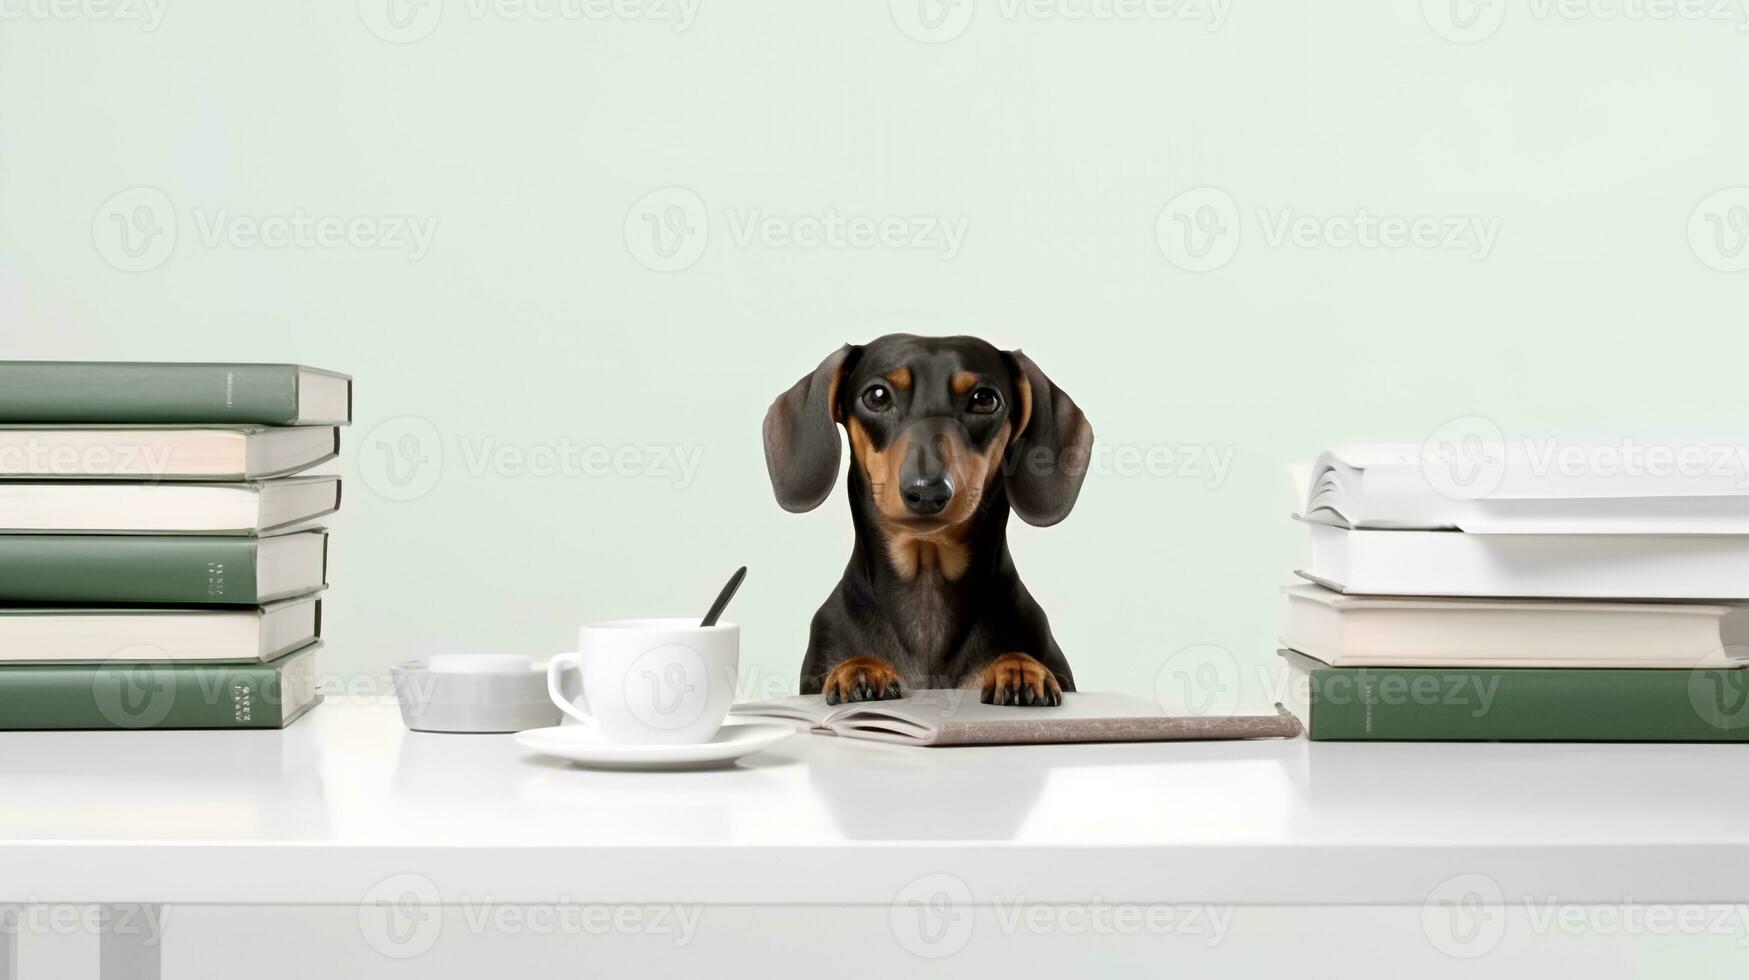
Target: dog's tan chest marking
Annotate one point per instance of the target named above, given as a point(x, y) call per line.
point(914, 556)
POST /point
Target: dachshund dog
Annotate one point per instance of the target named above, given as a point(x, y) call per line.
point(946, 435)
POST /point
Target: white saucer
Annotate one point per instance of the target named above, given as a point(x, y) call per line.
point(578, 744)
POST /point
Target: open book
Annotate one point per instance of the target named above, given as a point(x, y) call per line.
point(1527, 486)
point(956, 717)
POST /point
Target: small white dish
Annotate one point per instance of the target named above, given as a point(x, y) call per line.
point(579, 744)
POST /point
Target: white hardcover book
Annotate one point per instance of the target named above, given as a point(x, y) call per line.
point(1531, 487)
point(1565, 566)
point(1387, 631)
point(83, 452)
point(157, 634)
point(114, 507)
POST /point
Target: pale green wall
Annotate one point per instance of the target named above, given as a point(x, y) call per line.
point(530, 321)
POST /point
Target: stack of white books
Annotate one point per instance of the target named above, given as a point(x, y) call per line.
point(1502, 563)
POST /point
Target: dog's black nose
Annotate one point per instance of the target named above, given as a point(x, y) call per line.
point(925, 496)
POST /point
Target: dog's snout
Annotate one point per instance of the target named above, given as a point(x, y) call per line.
point(924, 481)
point(928, 496)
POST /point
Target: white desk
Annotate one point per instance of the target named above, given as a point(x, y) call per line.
point(345, 800)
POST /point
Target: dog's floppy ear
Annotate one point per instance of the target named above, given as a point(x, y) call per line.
point(1052, 446)
point(801, 440)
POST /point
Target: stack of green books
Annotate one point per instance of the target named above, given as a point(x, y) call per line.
point(159, 562)
point(1584, 604)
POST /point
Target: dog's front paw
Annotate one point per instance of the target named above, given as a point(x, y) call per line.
point(1015, 678)
point(862, 679)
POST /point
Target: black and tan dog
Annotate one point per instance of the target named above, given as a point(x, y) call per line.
point(946, 435)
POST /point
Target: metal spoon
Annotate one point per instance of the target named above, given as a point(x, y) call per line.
point(723, 597)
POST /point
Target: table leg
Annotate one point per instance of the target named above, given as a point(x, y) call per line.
point(130, 944)
point(9, 917)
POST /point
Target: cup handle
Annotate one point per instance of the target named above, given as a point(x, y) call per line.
point(554, 667)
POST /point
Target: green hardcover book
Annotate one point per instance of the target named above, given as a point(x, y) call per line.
point(157, 695)
point(1413, 704)
point(176, 569)
point(35, 392)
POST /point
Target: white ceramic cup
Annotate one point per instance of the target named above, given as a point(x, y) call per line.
point(650, 681)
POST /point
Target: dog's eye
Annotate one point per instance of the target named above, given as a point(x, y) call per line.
point(878, 398)
point(985, 401)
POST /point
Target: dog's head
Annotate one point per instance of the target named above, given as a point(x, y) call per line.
point(934, 424)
